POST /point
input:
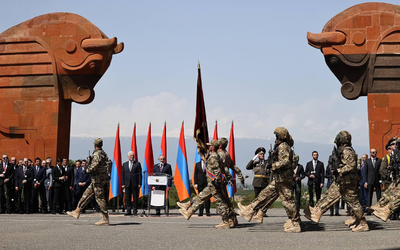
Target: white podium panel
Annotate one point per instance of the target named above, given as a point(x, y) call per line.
point(157, 180)
point(157, 198)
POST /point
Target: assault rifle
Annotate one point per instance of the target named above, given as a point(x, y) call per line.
point(333, 162)
point(395, 165)
point(89, 160)
point(271, 156)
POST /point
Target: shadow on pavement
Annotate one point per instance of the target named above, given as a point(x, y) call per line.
point(246, 225)
point(124, 224)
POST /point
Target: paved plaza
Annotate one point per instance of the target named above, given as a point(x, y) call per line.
point(37, 231)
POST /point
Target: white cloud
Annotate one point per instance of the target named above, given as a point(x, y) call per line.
point(315, 120)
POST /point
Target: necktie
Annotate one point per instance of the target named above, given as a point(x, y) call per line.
point(24, 170)
point(161, 166)
point(5, 167)
point(203, 166)
point(373, 162)
point(130, 166)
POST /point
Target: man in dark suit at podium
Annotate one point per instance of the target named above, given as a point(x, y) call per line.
point(131, 180)
point(162, 168)
point(200, 182)
point(315, 172)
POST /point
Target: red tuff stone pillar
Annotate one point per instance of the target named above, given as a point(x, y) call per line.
point(384, 120)
point(46, 63)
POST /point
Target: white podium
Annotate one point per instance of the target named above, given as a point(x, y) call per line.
point(158, 198)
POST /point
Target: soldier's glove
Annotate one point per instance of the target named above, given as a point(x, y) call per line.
point(230, 183)
point(242, 181)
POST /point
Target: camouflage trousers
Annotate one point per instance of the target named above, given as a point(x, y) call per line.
point(348, 191)
point(274, 190)
point(391, 197)
point(387, 195)
point(96, 190)
point(220, 199)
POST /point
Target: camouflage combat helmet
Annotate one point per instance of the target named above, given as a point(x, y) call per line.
point(214, 143)
point(282, 135)
point(343, 138)
point(98, 142)
point(223, 142)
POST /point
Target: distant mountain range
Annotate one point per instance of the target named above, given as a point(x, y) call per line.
point(244, 148)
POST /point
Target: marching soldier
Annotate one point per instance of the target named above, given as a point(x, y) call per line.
point(215, 184)
point(227, 165)
point(281, 185)
point(99, 177)
point(345, 185)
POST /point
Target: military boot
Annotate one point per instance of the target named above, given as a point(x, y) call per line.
point(104, 221)
point(76, 213)
point(241, 207)
point(187, 213)
point(350, 221)
point(259, 216)
point(233, 222)
point(313, 213)
point(308, 211)
point(287, 224)
point(294, 227)
point(371, 209)
point(185, 205)
point(382, 213)
point(224, 224)
point(247, 212)
point(361, 226)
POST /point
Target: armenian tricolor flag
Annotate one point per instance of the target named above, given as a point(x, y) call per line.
point(181, 169)
point(116, 171)
point(148, 163)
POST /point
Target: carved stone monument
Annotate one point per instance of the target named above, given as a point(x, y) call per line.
point(46, 63)
point(361, 46)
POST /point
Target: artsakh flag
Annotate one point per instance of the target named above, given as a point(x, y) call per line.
point(148, 163)
point(116, 171)
point(181, 170)
point(231, 151)
point(163, 150)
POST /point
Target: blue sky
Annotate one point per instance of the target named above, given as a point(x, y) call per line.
point(257, 68)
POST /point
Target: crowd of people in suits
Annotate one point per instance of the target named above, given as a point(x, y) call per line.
point(28, 186)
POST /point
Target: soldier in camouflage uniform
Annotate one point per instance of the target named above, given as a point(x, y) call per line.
point(227, 164)
point(99, 177)
point(215, 186)
point(390, 201)
point(345, 186)
point(282, 170)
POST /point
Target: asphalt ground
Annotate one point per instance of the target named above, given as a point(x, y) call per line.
point(38, 231)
